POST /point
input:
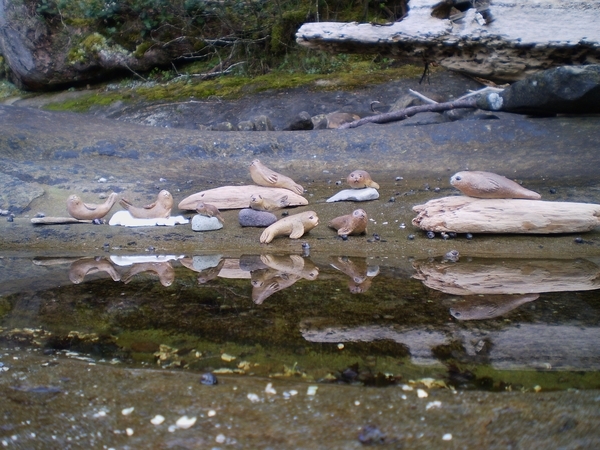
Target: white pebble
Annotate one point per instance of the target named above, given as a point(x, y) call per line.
point(102, 180)
point(269, 389)
point(447, 437)
point(356, 403)
point(100, 414)
point(406, 387)
point(129, 431)
point(435, 404)
point(421, 393)
point(226, 357)
point(172, 428)
point(220, 439)
point(312, 390)
point(157, 420)
point(212, 413)
point(340, 346)
point(184, 422)
point(127, 411)
point(253, 398)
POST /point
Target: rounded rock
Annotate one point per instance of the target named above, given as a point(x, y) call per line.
point(252, 218)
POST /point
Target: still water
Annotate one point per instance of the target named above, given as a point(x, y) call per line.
point(495, 324)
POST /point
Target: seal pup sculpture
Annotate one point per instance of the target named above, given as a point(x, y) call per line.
point(294, 226)
point(208, 210)
point(161, 208)
point(89, 211)
point(263, 176)
point(260, 203)
point(350, 224)
point(490, 185)
point(359, 179)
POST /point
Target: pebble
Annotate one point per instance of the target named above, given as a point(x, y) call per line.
point(447, 437)
point(469, 236)
point(127, 411)
point(312, 390)
point(208, 379)
point(185, 422)
point(102, 180)
point(430, 235)
point(421, 393)
point(578, 240)
point(371, 435)
point(157, 420)
point(452, 256)
point(411, 237)
point(355, 195)
point(204, 223)
point(252, 218)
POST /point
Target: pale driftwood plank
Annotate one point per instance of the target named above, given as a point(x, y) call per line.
point(462, 214)
point(56, 220)
point(237, 197)
point(508, 276)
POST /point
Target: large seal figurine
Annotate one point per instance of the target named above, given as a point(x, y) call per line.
point(260, 203)
point(490, 185)
point(263, 176)
point(359, 179)
point(161, 208)
point(89, 211)
point(350, 224)
point(294, 226)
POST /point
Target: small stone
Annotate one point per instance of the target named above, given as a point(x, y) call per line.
point(227, 358)
point(452, 256)
point(102, 180)
point(399, 178)
point(246, 125)
point(430, 235)
point(204, 223)
point(355, 195)
point(208, 379)
point(312, 390)
point(185, 422)
point(422, 394)
point(263, 123)
point(371, 435)
point(469, 236)
point(129, 431)
point(447, 437)
point(40, 215)
point(411, 237)
point(392, 199)
point(252, 218)
point(578, 240)
point(10, 218)
point(127, 411)
point(552, 191)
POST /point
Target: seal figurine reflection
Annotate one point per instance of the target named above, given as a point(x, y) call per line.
point(87, 266)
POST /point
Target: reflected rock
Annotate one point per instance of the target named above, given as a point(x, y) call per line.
point(208, 266)
point(87, 266)
point(164, 270)
point(508, 276)
point(488, 306)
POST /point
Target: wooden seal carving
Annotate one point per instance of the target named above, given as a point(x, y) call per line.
point(295, 226)
point(161, 208)
point(208, 210)
point(263, 176)
point(350, 224)
point(490, 185)
point(359, 179)
point(89, 211)
point(260, 203)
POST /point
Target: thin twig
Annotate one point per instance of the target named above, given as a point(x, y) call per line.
point(422, 97)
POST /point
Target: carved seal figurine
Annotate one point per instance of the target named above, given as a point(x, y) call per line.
point(263, 176)
point(208, 210)
point(260, 203)
point(161, 208)
point(490, 185)
point(350, 224)
point(359, 179)
point(89, 211)
point(294, 226)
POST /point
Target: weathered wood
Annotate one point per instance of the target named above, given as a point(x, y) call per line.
point(508, 276)
point(462, 214)
point(522, 38)
point(237, 197)
point(57, 220)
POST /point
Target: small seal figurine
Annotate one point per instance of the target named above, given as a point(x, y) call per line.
point(294, 226)
point(89, 211)
point(490, 185)
point(161, 208)
point(208, 210)
point(359, 179)
point(260, 203)
point(350, 224)
point(263, 176)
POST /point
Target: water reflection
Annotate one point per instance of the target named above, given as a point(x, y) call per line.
point(491, 288)
point(361, 274)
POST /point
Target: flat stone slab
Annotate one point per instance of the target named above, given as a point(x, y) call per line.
point(355, 195)
point(125, 219)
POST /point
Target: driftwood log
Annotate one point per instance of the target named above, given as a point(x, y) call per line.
point(462, 214)
point(481, 276)
point(237, 197)
point(57, 220)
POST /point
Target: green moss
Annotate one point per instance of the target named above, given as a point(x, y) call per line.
point(141, 49)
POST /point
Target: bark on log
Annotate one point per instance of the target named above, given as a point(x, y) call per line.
point(508, 276)
point(237, 197)
point(462, 214)
point(522, 39)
